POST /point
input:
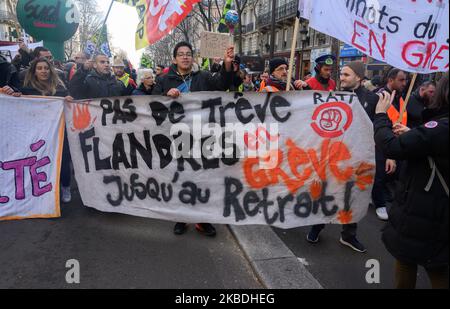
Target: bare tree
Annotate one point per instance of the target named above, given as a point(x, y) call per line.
point(208, 13)
point(190, 28)
point(161, 51)
point(91, 20)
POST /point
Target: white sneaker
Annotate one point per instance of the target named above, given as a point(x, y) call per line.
point(66, 196)
point(382, 213)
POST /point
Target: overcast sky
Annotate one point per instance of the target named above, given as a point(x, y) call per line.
point(122, 23)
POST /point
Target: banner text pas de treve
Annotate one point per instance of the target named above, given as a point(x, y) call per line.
point(287, 160)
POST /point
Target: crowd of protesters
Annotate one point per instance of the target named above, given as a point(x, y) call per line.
point(412, 165)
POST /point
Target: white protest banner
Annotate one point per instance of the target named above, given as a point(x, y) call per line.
point(291, 159)
point(214, 44)
point(411, 35)
point(31, 140)
point(14, 49)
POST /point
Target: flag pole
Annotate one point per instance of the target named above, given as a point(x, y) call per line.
point(408, 95)
point(291, 60)
point(107, 14)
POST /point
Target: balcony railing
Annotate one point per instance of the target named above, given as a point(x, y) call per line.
point(283, 12)
point(7, 16)
point(248, 28)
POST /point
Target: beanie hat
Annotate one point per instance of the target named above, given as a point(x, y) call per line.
point(275, 63)
point(358, 67)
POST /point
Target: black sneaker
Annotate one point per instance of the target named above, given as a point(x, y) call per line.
point(313, 236)
point(206, 229)
point(180, 228)
point(354, 244)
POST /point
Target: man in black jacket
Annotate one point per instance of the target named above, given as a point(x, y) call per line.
point(184, 77)
point(96, 83)
point(351, 78)
point(419, 100)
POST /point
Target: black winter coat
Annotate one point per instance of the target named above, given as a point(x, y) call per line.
point(417, 230)
point(200, 81)
point(141, 90)
point(8, 74)
point(368, 100)
point(91, 85)
point(415, 108)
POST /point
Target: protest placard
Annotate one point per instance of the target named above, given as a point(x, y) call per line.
point(213, 45)
point(31, 140)
point(288, 160)
point(407, 34)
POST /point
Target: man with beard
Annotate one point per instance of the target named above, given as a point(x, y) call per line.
point(419, 101)
point(277, 80)
point(184, 76)
point(351, 77)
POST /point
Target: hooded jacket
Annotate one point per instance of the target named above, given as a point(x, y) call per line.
point(417, 230)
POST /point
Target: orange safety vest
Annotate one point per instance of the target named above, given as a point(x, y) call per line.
point(262, 86)
point(269, 89)
point(394, 114)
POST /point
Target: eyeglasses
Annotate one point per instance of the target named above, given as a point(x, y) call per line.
point(188, 55)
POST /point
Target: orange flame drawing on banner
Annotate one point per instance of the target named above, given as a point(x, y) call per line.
point(363, 175)
point(316, 190)
point(345, 217)
point(81, 117)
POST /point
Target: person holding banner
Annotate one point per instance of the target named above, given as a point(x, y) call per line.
point(8, 74)
point(418, 226)
point(183, 77)
point(322, 81)
point(42, 79)
point(351, 77)
point(278, 70)
point(147, 82)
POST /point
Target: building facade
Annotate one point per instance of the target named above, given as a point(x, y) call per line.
point(310, 44)
point(250, 32)
point(9, 26)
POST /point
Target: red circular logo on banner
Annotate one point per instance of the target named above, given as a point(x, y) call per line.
point(332, 119)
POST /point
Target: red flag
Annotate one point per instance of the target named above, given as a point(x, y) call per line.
point(161, 17)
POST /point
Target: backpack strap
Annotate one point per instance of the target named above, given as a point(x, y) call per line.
point(434, 172)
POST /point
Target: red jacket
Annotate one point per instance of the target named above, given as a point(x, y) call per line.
point(314, 84)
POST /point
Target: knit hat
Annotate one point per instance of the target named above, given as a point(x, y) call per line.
point(118, 63)
point(358, 67)
point(275, 63)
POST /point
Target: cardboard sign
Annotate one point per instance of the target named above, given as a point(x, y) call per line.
point(213, 45)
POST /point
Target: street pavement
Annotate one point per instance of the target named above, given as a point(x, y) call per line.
point(336, 266)
point(121, 251)
point(118, 251)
